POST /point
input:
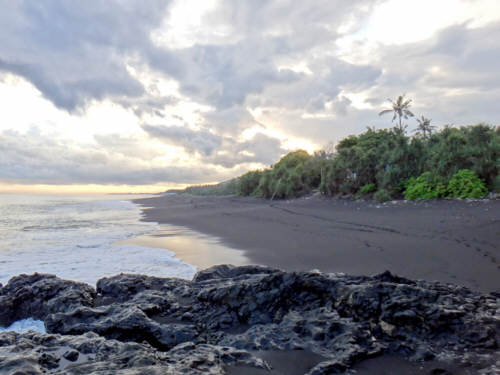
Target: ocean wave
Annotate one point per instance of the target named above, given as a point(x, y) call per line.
point(73, 238)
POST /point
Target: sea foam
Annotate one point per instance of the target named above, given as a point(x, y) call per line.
point(73, 236)
point(25, 325)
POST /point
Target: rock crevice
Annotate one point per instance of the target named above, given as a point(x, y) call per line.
point(226, 315)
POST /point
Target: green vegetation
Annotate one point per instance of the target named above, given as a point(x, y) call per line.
point(221, 189)
point(384, 164)
point(248, 183)
point(426, 186)
point(454, 162)
point(367, 189)
point(296, 174)
point(382, 195)
point(465, 184)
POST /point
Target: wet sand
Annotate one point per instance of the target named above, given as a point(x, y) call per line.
point(199, 249)
point(448, 240)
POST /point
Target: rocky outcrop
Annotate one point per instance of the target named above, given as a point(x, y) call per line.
point(231, 318)
point(33, 353)
point(37, 296)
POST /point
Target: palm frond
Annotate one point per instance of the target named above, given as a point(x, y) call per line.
point(384, 111)
point(406, 105)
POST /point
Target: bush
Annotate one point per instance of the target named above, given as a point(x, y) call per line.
point(229, 187)
point(382, 195)
point(469, 147)
point(337, 178)
point(248, 183)
point(296, 174)
point(426, 186)
point(496, 185)
point(367, 189)
point(465, 184)
point(386, 160)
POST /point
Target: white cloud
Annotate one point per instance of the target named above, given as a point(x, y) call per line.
point(228, 84)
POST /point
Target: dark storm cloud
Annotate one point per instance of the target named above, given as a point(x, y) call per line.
point(74, 52)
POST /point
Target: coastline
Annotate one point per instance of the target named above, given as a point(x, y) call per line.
point(448, 241)
point(194, 248)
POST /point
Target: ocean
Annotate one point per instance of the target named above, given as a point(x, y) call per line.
point(73, 237)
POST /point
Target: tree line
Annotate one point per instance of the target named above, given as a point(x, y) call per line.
point(384, 164)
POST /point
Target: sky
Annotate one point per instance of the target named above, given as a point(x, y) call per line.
point(142, 96)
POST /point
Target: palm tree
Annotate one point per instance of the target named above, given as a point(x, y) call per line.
point(424, 126)
point(399, 108)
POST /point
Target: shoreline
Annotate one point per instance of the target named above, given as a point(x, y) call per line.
point(189, 246)
point(448, 241)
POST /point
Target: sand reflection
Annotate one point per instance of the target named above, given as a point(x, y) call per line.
point(190, 246)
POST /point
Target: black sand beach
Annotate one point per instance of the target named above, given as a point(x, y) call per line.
point(448, 240)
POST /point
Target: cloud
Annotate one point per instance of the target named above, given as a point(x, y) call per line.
point(260, 149)
point(74, 53)
point(452, 77)
point(303, 71)
point(192, 141)
point(219, 150)
point(230, 121)
point(126, 146)
point(34, 158)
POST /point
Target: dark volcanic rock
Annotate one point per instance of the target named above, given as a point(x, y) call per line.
point(34, 353)
point(228, 315)
point(39, 295)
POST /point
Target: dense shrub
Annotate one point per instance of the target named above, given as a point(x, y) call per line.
point(224, 188)
point(469, 147)
point(386, 160)
point(465, 184)
point(426, 186)
point(367, 189)
point(382, 195)
point(383, 158)
point(337, 178)
point(496, 185)
point(297, 173)
point(248, 183)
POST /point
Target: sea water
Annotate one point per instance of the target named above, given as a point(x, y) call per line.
point(73, 237)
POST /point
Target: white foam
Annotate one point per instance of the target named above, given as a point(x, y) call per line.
point(89, 264)
point(72, 237)
point(25, 325)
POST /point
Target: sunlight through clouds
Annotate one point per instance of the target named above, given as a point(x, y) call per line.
point(180, 92)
